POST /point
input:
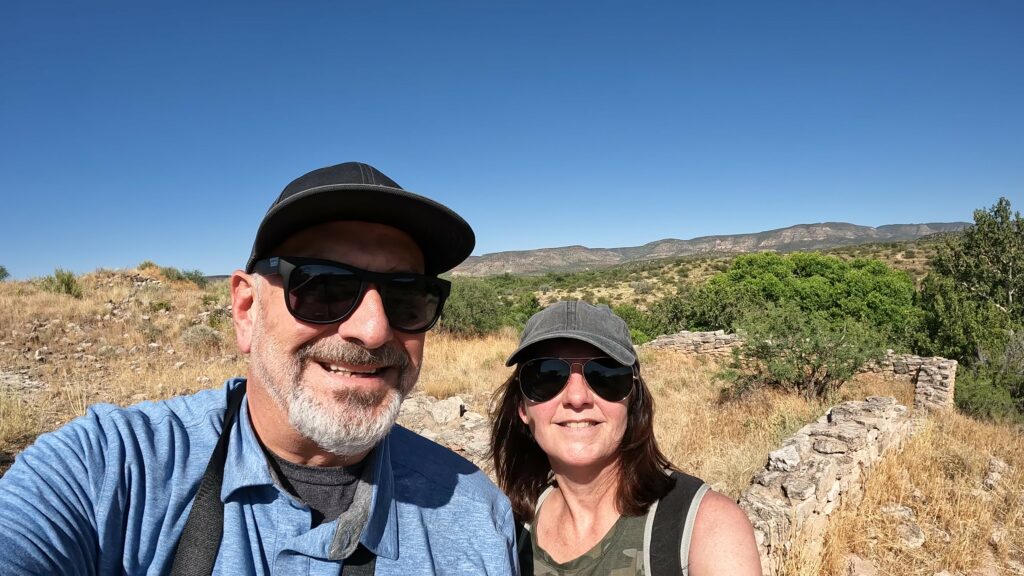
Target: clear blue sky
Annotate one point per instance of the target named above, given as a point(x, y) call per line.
point(162, 131)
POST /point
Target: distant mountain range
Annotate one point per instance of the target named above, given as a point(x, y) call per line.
point(802, 237)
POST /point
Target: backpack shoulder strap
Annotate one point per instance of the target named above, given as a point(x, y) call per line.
point(199, 544)
point(669, 526)
point(200, 541)
point(524, 545)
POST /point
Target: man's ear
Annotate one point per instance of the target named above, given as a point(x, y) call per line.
point(243, 298)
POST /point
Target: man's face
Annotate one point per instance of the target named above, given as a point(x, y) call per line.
point(340, 384)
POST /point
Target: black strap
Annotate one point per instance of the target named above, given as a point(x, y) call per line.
point(524, 543)
point(669, 522)
point(200, 541)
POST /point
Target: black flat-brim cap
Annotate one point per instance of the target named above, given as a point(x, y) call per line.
point(360, 192)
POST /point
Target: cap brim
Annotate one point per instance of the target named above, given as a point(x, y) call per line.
point(613, 349)
point(445, 238)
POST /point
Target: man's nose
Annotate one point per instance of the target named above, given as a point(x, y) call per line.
point(368, 324)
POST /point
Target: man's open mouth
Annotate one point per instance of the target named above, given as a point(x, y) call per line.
point(350, 371)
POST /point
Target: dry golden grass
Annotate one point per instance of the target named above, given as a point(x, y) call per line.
point(454, 365)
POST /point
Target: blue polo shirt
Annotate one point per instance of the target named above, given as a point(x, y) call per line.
point(110, 492)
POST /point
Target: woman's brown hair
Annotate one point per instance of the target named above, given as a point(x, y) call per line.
point(523, 469)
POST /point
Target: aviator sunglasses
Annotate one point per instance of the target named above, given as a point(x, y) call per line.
point(541, 379)
point(324, 292)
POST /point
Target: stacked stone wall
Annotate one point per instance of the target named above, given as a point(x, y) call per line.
point(934, 378)
point(716, 343)
point(817, 469)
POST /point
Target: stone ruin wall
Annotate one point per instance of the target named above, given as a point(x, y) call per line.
point(716, 343)
point(934, 378)
point(818, 468)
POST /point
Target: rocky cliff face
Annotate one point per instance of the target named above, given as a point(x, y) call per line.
point(792, 239)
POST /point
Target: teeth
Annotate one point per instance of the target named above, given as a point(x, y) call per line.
point(335, 369)
point(578, 424)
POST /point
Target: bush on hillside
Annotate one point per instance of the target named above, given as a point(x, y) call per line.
point(62, 282)
point(865, 291)
point(805, 352)
point(147, 265)
point(171, 273)
point(518, 309)
point(980, 395)
point(194, 276)
point(201, 337)
point(640, 328)
point(473, 307)
point(4, 274)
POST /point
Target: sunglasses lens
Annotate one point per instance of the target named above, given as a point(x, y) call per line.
point(541, 379)
point(322, 293)
point(609, 379)
point(412, 304)
point(328, 293)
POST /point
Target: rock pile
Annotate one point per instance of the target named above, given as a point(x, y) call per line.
point(451, 422)
point(716, 343)
point(809, 476)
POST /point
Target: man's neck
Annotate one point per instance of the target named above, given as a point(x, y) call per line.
point(270, 424)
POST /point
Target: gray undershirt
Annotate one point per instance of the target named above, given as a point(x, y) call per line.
point(328, 491)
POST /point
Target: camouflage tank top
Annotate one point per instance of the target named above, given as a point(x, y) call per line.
point(619, 553)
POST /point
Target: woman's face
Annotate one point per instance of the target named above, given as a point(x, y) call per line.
point(577, 429)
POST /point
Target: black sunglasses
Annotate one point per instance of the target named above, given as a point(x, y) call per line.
point(541, 379)
point(324, 292)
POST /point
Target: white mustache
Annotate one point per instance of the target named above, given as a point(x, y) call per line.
point(340, 352)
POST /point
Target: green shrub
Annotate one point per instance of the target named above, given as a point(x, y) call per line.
point(517, 310)
point(473, 307)
point(4, 274)
point(147, 264)
point(980, 395)
point(638, 321)
point(62, 282)
point(159, 306)
point(196, 277)
point(171, 273)
point(867, 291)
point(201, 337)
point(642, 287)
point(803, 352)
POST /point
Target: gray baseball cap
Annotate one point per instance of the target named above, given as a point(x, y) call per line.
point(578, 320)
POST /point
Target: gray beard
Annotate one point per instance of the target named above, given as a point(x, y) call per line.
point(354, 426)
point(355, 421)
